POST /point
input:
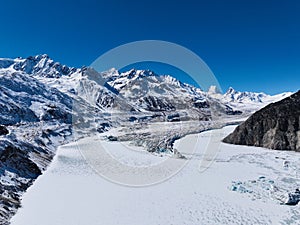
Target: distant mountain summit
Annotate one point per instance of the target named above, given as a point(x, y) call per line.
point(45, 104)
point(277, 126)
point(237, 96)
point(234, 96)
point(41, 65)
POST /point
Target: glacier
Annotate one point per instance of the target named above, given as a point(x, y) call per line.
point(45, 104)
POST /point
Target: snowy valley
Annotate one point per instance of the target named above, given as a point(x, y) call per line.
point(243, 185)
point(45, 105)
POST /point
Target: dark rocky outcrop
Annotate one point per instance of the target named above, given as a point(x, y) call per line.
point(17, 161)
point(3, 130)
point(277, 126)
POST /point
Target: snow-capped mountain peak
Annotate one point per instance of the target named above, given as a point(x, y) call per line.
point(230, 91)
point(135, 74)
point(172, 80)
point(42, 102)
point(237, 96)
point(110, 74)
point(39, 65)
point(214, 90)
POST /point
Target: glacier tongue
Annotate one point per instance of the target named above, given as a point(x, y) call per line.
point(44, 104)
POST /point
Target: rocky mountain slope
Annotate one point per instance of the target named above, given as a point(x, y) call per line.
point(44, 104)
point(35, 119)
point(276, 126)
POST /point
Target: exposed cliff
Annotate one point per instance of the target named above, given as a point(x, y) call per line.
point(276, 126)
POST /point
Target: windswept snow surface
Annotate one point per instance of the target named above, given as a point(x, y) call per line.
point(44, 103)
point(70, 192)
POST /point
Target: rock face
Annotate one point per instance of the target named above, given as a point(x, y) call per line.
point(3, 130)
point(277, 126)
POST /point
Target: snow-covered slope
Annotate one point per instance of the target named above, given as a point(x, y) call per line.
point(252, 97)
point(148, 91)
point(244, 185)
point(139, 85)
point(247, 102)
point(243, 97)
point(40, 65)
point(35, 119)
point(42, 103)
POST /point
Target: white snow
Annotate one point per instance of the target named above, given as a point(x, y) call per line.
point(37, 108)
point(70, 192)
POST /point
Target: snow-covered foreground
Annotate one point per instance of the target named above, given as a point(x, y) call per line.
point(70, 192)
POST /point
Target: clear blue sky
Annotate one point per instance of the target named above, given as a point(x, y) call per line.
point(249, 44)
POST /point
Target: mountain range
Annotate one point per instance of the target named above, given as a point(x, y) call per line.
point(44, 104)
